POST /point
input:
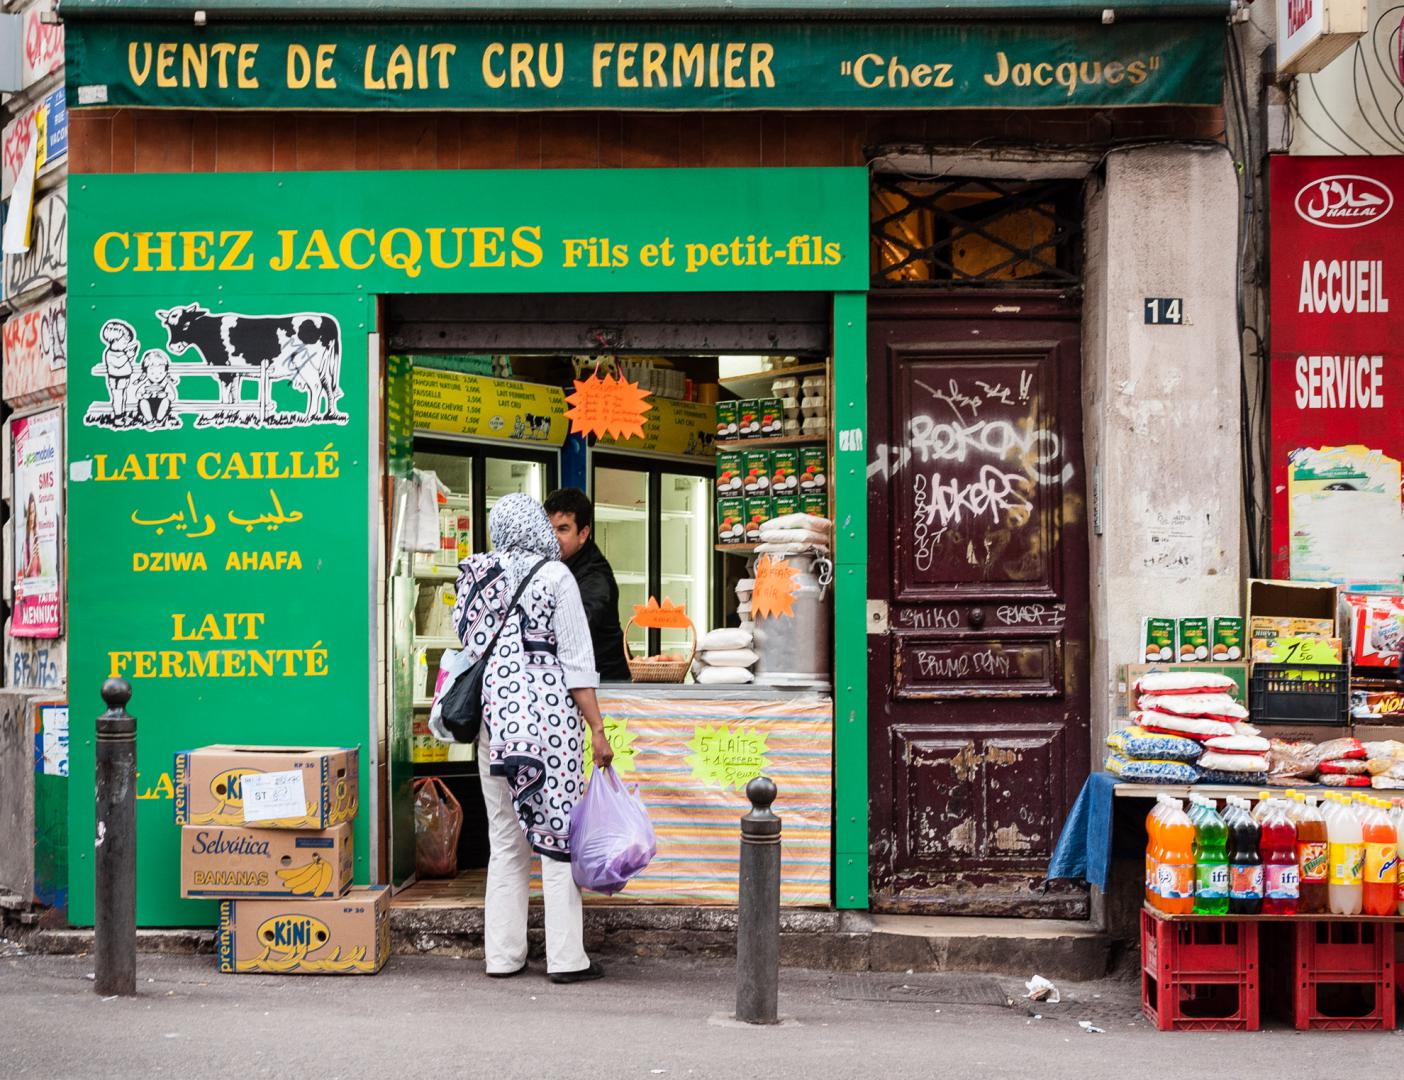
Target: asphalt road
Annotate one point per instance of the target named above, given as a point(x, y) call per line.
point(440, 1017)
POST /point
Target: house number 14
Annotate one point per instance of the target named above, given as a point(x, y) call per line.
point(1165, 311)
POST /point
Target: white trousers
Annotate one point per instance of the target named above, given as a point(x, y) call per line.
point(509, 887)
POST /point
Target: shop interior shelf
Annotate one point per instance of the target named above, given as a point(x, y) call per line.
point(436, 573)
point(774, 440)
point(736, 549)
point(423, 703)
point(437, 643)
point(757, 385)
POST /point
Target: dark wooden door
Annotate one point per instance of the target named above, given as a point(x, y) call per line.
point(978, 673)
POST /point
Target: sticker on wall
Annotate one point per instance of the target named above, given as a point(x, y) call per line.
point(725, 756)
point(222, 368)
point(621, 741)
point(664, 616)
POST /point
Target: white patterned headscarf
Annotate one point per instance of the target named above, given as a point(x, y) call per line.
point(521, 537)
point(519, 525)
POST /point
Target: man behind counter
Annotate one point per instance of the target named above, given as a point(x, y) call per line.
point(572, 515)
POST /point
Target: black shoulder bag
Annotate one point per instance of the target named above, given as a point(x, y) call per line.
point(462, 710)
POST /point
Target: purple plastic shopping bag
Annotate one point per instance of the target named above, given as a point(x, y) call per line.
point(611, 837)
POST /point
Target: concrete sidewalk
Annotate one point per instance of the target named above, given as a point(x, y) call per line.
point(437, 1016)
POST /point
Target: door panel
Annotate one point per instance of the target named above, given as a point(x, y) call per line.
point(978, 687)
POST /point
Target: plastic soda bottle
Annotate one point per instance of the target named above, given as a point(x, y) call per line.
point(1260, 811)
point(1245, 868)
point(1399, 847)
point(1153, 823)
point(1281, 881)
point(1177, 862)
point(1381, 883)
point(1346, 849)
point(1211, 873)
point(1312, 860)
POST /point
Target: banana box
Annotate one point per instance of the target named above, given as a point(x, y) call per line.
point(221, 860)
point(346, 936)
point(209, 784)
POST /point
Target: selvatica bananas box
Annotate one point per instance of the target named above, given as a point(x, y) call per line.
point(221, 860)
point(209, 784)
point(346, 936)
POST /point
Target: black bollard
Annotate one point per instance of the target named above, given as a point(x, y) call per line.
point(114, 914)
point(758, 909)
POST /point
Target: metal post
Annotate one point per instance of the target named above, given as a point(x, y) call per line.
point(114, 915)
point(758, 909)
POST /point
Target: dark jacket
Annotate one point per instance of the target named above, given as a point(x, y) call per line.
point(601, 597)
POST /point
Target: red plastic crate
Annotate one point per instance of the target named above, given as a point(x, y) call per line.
point(1200, 974)
point(1343, 976)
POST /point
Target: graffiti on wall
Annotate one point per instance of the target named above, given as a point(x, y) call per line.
point(46, 261)
point(35, 663)
point(36, 352)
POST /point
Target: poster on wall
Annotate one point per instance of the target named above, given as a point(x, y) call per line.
point(37, 490)
point(1337, 369)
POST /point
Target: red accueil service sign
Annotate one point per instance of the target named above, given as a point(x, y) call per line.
point(1337, 374)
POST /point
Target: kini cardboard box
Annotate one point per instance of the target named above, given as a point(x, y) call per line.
point(209, 784)
point(218, 861)
point(346, 936)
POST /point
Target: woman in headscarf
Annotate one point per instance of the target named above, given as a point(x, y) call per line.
point(538, 694)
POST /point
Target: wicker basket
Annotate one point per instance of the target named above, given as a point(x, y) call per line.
point(659, 671)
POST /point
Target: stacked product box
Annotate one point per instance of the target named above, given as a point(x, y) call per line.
point(756, 483)
point(267, 830)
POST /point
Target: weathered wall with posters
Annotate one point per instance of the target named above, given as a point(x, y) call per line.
point(1161, 402)
point(33, 372)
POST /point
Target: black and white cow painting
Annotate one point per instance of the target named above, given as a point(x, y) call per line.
point(304, 348)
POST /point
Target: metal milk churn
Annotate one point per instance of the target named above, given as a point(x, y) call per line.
point(795, 652)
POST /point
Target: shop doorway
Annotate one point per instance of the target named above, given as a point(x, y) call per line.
point(978, 592)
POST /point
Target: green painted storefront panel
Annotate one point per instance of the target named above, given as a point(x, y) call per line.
point(221, 541)
point(649, 65)
point(850, 601)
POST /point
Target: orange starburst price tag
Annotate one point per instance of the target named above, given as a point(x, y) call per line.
point(607, 405)
point(664, 616)
point(774, 595)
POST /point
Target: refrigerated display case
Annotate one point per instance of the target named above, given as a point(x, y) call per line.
point(653, 521)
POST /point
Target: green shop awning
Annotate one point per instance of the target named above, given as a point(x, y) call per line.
point(642, 64)
point(656, 9)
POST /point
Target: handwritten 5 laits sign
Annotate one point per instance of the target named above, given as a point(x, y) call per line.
point(221, 477)
point(530, 65)
point(1337, 367)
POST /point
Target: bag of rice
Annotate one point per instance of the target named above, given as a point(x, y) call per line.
point(1188, 726)
point(1137, 742)
point(1343, 767)
point(1247, 779)
point(1184, 682)
point(1233, 763)
point(1151, 772)
point(1209, 706)
point(1238, 744)
point(1344, 780)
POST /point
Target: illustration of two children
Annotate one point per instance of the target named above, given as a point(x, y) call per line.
point(149, 387)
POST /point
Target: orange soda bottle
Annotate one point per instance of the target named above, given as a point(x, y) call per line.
point(1177, 861)
point(1381, 861)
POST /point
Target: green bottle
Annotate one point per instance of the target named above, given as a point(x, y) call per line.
point(1211, 871)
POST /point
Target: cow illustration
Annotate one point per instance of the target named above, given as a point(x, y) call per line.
point(304, 348)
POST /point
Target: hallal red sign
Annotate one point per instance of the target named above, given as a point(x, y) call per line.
point(1337, 368)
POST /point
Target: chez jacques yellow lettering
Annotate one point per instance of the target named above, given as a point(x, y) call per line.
point(402, 249)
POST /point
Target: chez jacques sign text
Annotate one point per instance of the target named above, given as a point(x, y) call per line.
point(643, 66)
